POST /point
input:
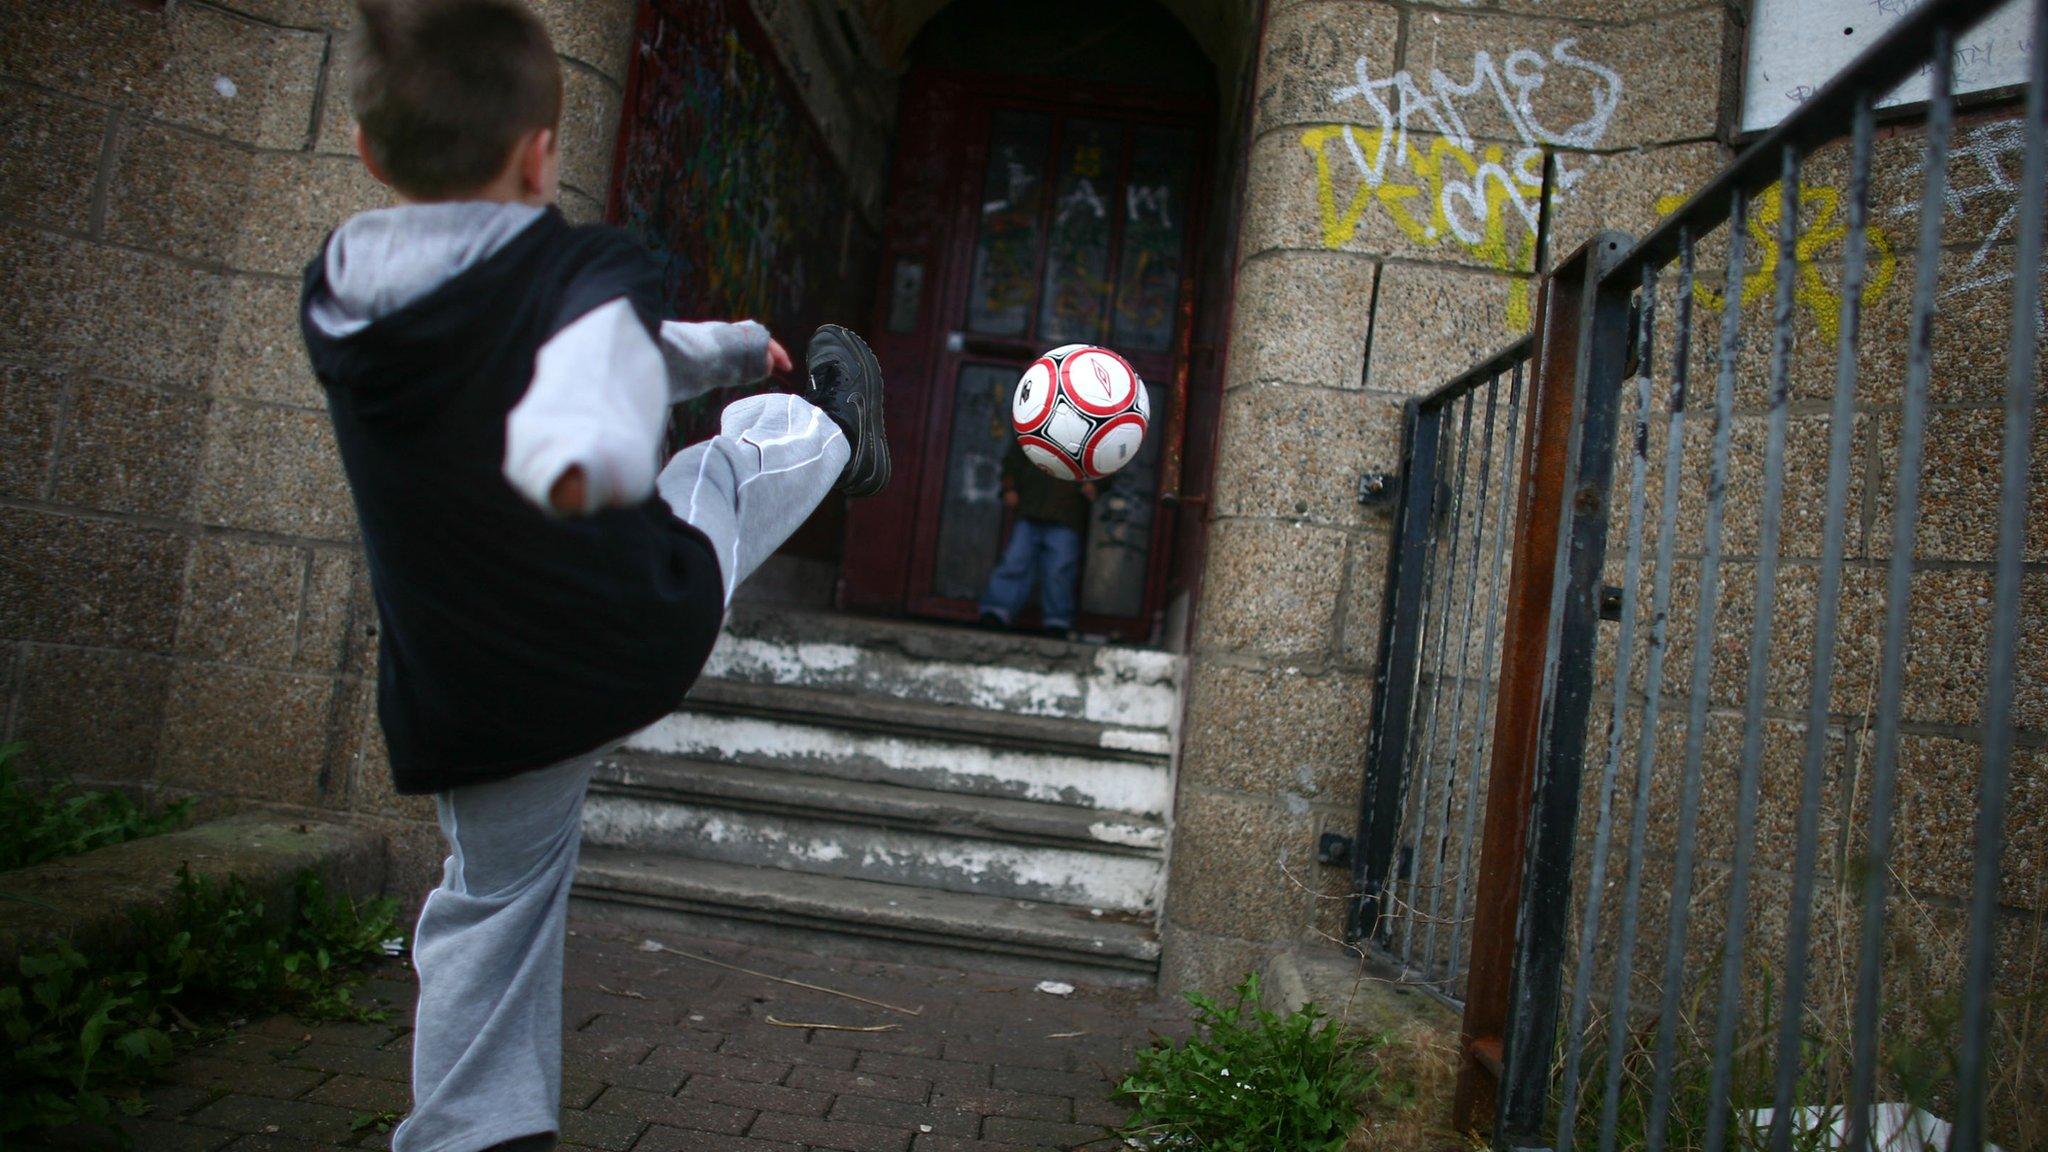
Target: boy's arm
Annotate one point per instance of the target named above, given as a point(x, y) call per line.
point(708, 354)
point(587, 434)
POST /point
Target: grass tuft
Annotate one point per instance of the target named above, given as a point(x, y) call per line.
point(1251, 1080)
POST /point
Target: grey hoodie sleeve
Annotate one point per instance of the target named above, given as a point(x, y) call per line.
point(708, 354)
point(596, 402)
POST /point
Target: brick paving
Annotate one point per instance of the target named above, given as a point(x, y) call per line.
point(662, 1053)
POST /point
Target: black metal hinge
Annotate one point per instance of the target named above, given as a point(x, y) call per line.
point(1333, 848)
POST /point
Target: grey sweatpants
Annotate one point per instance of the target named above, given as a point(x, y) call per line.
point(487, 1043)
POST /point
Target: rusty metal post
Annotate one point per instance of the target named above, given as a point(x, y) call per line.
point(1518, 715)
point(1571, 637)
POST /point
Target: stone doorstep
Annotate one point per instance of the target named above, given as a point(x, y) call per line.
point(92, 899)
point(956, 765)
point(867, 908)
point(964, 667)
point(683, 779)
point(949, 643)
point(823, 845)
point(897, 716)
point(737, 814)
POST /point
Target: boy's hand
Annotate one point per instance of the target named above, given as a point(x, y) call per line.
point(1010, 499)
point(566, 497)
point(1087, 491)
point(778, 357)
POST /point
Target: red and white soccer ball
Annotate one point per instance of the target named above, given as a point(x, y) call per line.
point(1080, 412)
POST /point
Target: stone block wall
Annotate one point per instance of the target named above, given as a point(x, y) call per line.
point(182, 600)
point(1381, 252)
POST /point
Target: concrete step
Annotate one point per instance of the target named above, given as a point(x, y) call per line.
point(999, 671)
point(866, 909)
point(881, 805)
point(822, 826)
point(916, 744)
point(884, 713)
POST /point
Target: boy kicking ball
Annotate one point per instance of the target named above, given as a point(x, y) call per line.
point(499, 383)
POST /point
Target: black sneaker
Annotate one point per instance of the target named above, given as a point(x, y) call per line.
point(847, 383)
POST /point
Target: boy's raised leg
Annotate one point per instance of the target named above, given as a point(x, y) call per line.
point(747, 488)
point(777, 456)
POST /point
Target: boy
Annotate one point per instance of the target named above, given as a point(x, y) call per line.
point(498, 382)
point(1045, 546)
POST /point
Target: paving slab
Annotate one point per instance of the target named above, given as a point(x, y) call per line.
point(666, 1052)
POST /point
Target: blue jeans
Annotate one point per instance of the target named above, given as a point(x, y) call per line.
point(1040, 551)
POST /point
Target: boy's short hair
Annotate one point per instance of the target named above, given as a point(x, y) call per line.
point(443, 89)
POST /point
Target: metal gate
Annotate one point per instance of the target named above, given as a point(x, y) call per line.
point(1736, 917)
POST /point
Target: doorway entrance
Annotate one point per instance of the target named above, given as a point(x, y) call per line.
point(1025, 216)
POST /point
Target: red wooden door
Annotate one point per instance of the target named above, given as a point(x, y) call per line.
point(1020, 221)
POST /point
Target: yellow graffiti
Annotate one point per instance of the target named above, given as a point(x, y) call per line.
point(1820, 229)
point(1422, 195)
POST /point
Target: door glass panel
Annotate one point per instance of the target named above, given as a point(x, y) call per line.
point(1120, 528)
point(1076, 285)
point(971, 512)
point(1154, 200)
point(999, 296)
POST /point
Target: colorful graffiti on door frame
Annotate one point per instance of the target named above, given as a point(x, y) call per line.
point(722, 172)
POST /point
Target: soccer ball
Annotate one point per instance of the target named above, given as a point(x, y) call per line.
point(1080, 412)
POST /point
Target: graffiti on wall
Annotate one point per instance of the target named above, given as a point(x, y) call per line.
point(1443, 186)
point(1822, 225)
point(1983, 180)
point(1421, 163)
point(724, 175)
point(1984, 169)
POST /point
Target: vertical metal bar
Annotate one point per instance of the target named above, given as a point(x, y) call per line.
point(1968, 1135)
point(1528, 1042)
point(1764, 603)
point(1702, 670)
point(1394, 681)
point(1483, 731)
point(1517, 723)
point(1543, 208)
point(1396, 911)
point(1436, 889)
point(1440, 623)
point(1653, 697)
point(1624, 650)
point(1906, 513)
point(1834, 529)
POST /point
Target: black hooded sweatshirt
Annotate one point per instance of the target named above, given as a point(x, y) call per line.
point(508, 639)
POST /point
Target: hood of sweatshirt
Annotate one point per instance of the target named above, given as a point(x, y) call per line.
point(374, 305)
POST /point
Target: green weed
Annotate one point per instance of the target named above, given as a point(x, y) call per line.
point(83, 1030)
point(38, 824)
point(1251, 1081)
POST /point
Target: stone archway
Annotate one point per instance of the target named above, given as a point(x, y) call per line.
point(1226, 30)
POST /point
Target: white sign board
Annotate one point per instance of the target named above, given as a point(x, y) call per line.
point(1796, 46)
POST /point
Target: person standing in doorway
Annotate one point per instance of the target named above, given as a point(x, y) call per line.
point(1051, 516)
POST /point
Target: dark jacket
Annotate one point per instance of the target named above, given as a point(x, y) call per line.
point(508, 639)
point(1041, 496)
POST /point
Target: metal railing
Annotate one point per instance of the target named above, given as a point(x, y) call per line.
point(1719, 958)
point(1433, 708)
